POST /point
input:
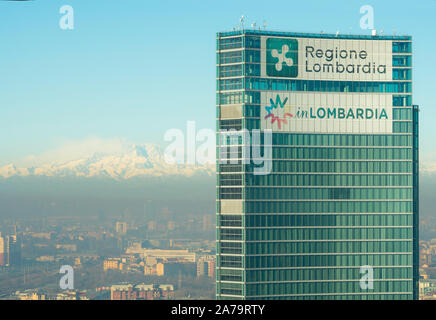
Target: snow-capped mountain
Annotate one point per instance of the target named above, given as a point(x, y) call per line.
point(427, 168)
point(136, 160)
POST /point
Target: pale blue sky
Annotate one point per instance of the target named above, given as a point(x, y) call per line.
point(133, 69)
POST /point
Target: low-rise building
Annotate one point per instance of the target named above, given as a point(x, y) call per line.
point(427, 288)
point(163, 254)
point(113, 264)
point(67, 247)
point(30, 295)
point(154, 270)
point(206, 266)
point(142, 292)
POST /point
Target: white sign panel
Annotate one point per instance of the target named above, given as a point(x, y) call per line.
point(326, 59)
point(326, 113)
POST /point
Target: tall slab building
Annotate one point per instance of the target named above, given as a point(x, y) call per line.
point(336, 214)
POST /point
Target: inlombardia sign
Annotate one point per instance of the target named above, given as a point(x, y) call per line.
point(330, 112)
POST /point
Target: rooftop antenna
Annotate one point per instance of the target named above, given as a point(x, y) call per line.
point(264, 24)
point(253, 25)
point(242, 21)
point(337, 33)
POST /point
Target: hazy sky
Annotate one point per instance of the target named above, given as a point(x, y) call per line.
point(132, 69)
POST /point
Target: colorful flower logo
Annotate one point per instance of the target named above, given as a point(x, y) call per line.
point(275, 105)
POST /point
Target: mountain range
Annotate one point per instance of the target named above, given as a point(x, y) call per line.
point(135, 161)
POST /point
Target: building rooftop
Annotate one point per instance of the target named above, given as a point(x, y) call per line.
point(144, 287)
point(141, 286)
point(313, 35)
point(166, 287)
point(121, 287)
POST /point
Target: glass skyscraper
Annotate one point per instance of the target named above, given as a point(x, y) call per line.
point(336, 216)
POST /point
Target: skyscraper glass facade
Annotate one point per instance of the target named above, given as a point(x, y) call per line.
point(341, 198)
